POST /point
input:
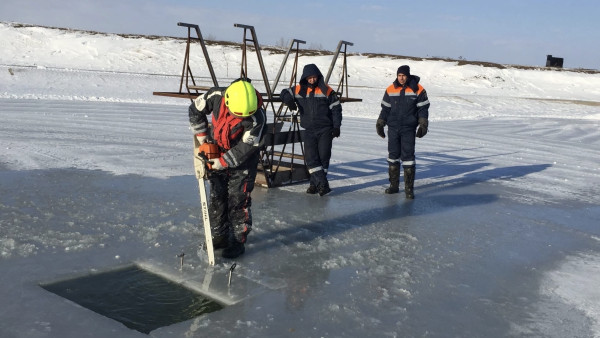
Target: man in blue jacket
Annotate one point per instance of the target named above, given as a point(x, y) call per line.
point(405, 110)
point(321, 115)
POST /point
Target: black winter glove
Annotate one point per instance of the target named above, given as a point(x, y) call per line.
point(288, 99)
point(422, 128)
point(335, 132)
point(292, 105)
point(379, 127)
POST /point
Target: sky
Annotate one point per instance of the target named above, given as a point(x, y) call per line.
point(506, 32)
point(502, 239)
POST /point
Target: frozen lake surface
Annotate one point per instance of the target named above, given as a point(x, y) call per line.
point(498, 242)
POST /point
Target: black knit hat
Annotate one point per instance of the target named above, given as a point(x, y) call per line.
point(404, 70)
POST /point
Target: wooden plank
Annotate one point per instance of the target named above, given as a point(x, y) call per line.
point(349, 99)
point(199, 87)
point(284, 137)
point(286, 174)
point(176, 94)
point(277, 154)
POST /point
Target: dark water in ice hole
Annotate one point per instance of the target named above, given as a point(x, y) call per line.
point(141, 300)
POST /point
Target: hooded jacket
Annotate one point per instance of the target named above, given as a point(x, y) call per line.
point(318, 105)
point(402, 106)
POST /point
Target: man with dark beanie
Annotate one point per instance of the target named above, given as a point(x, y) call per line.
point(405, 110)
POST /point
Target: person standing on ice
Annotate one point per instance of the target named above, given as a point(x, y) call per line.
point(405, 110)
point(321, 116)
point(238, 121)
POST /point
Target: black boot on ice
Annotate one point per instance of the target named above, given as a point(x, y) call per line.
point(235, 249)
point(324, 189)
point(409, 182)
point(394, 172)
point(219, 242)
point(312, 189)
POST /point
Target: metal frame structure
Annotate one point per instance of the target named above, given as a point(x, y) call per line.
point(186, 72)
point(344, 77)
point(282, 151)
point(285, 149)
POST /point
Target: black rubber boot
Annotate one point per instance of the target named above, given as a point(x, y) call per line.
point(409, 182)
point(394, 172)
point(219, 242)
point(312, 189)
point(324, 189)
point(235, 249)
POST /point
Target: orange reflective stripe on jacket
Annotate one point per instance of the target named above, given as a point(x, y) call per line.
point(393, 90)
point(317, 90)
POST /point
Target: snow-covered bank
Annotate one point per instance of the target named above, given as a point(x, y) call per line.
point(80, 66)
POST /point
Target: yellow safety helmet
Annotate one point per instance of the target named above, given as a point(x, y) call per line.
point(240, 98)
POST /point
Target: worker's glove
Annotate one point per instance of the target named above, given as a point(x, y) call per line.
point(201, 138)
point(422, 128)
point(287, 96)
point(335, 132)
point(200, 167)
point(379, 127)
point(292, 105)
point(216, 164)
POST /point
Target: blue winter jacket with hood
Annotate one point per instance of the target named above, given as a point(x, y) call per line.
point(318, 104)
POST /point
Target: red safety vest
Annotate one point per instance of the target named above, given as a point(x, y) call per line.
point(224, 126)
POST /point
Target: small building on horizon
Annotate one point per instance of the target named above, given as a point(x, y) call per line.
point(554, 62)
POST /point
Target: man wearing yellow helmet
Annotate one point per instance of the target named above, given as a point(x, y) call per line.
point(238, 121)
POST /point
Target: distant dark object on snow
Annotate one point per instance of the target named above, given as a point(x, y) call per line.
point(554, 62)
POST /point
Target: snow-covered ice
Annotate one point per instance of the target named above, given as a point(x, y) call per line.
point(501, 240)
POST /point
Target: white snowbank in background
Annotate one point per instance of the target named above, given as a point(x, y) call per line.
point(80, 66)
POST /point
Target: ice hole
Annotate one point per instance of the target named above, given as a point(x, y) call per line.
point(139, 299)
